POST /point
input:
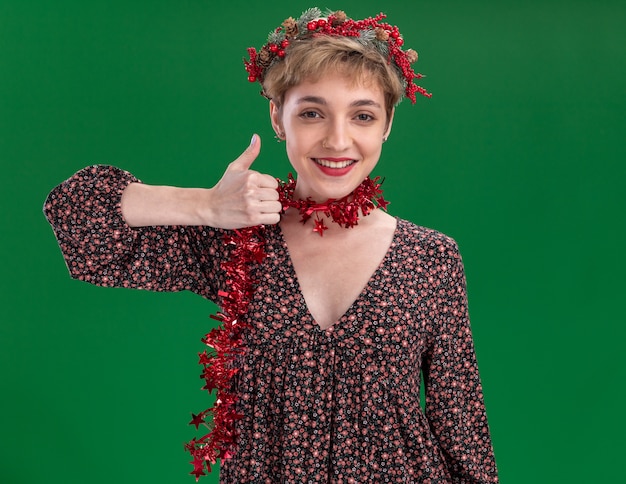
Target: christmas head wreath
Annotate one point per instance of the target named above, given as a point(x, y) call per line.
point(371, 31)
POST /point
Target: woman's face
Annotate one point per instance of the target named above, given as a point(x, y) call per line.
point(334, 132)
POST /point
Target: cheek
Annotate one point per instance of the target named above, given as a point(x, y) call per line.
point(375, 147)
point(294, 152)
point(299, 140)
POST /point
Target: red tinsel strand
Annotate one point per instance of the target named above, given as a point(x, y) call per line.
point(226, 342)
point(344, 211)
point(225, 345)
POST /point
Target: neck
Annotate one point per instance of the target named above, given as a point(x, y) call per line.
point(344, 212)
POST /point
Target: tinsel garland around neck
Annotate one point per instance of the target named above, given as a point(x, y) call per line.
point(226, 342)
point(343, 211)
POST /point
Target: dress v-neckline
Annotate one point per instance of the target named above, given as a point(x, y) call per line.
point(364, 291)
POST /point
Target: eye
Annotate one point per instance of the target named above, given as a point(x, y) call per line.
point(310, 115)
point(364, 117)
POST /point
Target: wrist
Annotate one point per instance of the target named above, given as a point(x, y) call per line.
point(200, 207)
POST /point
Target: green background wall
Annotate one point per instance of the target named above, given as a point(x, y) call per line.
point(519, 156)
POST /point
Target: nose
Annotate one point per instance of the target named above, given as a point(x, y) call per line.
point(338, 136)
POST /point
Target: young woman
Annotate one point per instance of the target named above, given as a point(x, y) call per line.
point(332, 310)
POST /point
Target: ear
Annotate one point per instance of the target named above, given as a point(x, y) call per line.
point(275, 117)
point(389, 124)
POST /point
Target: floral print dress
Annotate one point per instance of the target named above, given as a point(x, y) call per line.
point(336, 405)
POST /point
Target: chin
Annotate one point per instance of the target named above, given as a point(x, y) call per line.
point(336, 189)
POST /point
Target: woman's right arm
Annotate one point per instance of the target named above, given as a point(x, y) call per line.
point(115, 231)
point(101, 248)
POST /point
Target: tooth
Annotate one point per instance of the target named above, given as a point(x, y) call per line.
point(333, 164)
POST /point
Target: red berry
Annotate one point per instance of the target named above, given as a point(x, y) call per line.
point(273, 48)
point(284, 43)
point(281, 53)
point(400, 41)
point(395, 34)
point(312, 25)
point(321, 22)
point(252, 78)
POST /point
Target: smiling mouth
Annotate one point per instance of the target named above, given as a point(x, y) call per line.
point(333, 164)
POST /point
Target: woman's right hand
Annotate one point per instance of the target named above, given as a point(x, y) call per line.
point(243, 197)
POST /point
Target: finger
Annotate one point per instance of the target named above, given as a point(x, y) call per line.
point(269, 219)
point(270, 207)
point(268, 194)
point(267, 181)
point(245, 160)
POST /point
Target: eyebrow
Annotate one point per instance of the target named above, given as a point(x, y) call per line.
point(322, 101)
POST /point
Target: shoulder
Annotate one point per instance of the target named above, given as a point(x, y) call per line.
point(425, 241)
point(431, 253)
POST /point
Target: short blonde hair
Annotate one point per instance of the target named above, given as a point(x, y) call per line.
point(312, 58)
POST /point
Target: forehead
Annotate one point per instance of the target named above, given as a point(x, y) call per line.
point(359, 75)
point(336, 87)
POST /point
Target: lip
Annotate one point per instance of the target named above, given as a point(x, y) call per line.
point(330, 171)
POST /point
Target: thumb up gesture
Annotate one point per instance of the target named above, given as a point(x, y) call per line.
point(244, 197)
